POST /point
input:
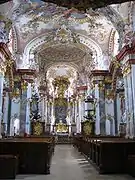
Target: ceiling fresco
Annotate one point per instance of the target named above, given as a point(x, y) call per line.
point(64, 42)
point(33, 18)
point(29, 27)
point(62, 53)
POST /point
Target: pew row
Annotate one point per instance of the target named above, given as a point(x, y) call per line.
point(108, 155)
point(33, 154)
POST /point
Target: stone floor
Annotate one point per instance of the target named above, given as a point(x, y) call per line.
point(68, 164)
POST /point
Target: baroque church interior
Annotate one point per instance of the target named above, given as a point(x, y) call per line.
point(67, 89)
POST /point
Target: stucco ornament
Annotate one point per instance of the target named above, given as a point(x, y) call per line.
point(5, 26)
point(64, 35)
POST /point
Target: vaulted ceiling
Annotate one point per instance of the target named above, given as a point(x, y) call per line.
point(81, 5)
point(54, 36)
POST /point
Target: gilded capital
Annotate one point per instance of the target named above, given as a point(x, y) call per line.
point(126, 70)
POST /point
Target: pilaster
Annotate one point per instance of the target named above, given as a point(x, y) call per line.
point(1, 97)
point(27, 77)
point(98, 80)
point(109, 106)
point(79, 116)
point(6, 69)
point(127, 59)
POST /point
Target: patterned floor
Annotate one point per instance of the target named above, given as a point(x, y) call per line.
point(68, 164)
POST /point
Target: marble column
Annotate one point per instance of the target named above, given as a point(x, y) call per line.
point(76, 115)
point(98, 80)
point(1, 97)
point(5, 110)
point(109, 110)
point(119, 113)
point(45, 114)
point(23, 108)
point(100, 108)
point(29, 94)
point(78, 123)
point(15, 113)
point(133, 94)
point(128, 75)
point(97, 110)
point(73, 115)
point(52, 116)
point(43, 109)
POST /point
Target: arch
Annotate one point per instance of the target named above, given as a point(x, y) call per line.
point(44, 38)
point(15, 45)
point(112, 15)
point(113, 43)
point(13, 38)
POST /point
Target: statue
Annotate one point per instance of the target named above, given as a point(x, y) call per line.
point(3, 34)
point(5, 26)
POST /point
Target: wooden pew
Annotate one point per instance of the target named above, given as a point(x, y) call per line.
point(85, 145)
point(107, 154)
point(8, 166)
point(112, 155)
point(34, 153)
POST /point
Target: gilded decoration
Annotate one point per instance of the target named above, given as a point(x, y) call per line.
point(61, 128)
point(61, 83)
point(49, 18)
point(87, 129)
point(38, 128)
point(9, 71)
point(126, 70)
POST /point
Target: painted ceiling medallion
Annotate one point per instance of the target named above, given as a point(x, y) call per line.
point(62, 53)
point(64, 35)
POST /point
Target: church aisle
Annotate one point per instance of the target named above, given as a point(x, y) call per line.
point(68, 164)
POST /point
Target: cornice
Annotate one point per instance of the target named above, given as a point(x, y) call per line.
point(82, 88)
point(100, 73)
point(26, 71)
point(4, 49)
point(125, 51)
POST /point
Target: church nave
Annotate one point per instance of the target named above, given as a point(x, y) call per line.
point(68, 164)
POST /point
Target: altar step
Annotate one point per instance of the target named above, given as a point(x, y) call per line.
point(63, 140)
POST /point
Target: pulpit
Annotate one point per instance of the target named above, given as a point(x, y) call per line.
point(37, 128)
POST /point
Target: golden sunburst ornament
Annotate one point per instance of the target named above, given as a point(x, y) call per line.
point(38, 128)
point(87, 128)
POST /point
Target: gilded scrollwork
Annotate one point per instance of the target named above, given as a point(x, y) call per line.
point(38, 128)
point(9, 71)
point(126, 70)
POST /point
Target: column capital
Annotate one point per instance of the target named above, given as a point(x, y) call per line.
point(27, 74)
point(127, 53)
point(98, 75)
